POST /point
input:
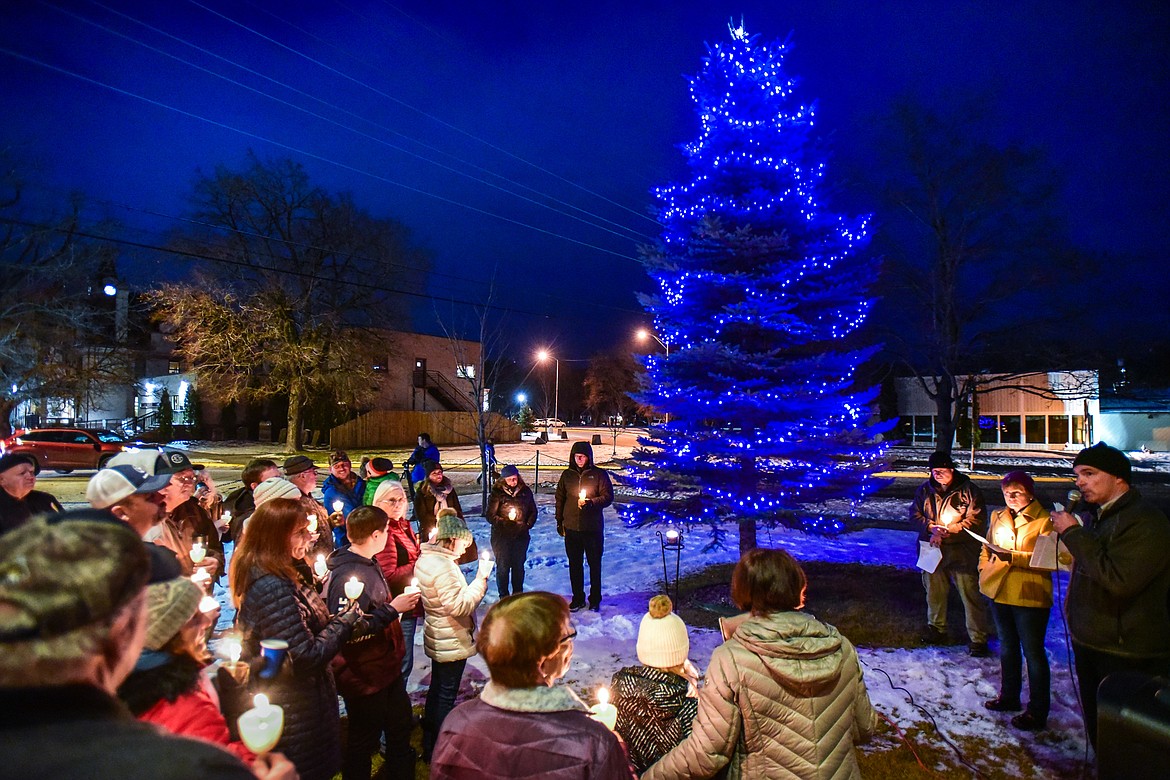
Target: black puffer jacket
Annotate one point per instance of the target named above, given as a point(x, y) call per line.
point(654, 712)
point(959, 502)
point(598, 492)
point(278, 608)
point(503, 499)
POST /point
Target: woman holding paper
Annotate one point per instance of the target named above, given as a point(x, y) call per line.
point(1021, 600)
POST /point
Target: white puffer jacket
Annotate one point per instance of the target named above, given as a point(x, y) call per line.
point(449, 603)
point(784, 698)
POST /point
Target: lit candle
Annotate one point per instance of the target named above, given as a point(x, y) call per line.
point(512, 513)
point(582, 496)
point(603, 712)
point(233, 649)
point(431, 535)
point(487, 556)
point(198, 552)
point(227, 516)
point(412, 587)
point(208, 604)
point(354, 588)
point(312, 518)
point(672, 535)
point(320, 568)
point(1005, 538)
point(338, 506)
point(200, 577)
point(260, 727)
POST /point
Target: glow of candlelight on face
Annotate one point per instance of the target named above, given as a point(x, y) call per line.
point(319, 566)
point(354, 588)
point(338, 506)
point(208, 604)
point(198, 552)
point(261, 726)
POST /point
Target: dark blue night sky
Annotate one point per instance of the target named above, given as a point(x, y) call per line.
point(582, 108)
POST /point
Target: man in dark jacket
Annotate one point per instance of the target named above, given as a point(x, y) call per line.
point(945, 506)
point(18, 500)
point(369, 667)
point(343, 491)
point(240, 502)
point(187, 521)
point(582, 493)
point(512, 513)
point(72, 624)
point(1118, 601)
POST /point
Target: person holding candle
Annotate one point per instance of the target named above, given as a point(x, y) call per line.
point(274, 593)
point(398, 560)
point(302, 472)
point(784, 696)
point(369, 667)
point(523, 724)
point(344, 486)
point(1021, 600)
point(511, 510)
point(435, 494)
point(449, 603)
point(945, 505)
point(583, 491)
point(72, 623)
point(657, 701)
point(186, 519)
point(168, 687)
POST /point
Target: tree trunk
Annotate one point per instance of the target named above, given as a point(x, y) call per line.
point(747, 534)
point(6, 407)
point(292, 442)
point(944, 413)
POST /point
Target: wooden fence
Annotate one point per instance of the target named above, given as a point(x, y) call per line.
point(401, 429)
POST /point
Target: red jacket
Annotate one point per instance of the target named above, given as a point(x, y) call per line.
point(398, 559)
point(196, 714)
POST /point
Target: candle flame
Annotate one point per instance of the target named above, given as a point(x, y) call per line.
point(233, 648)
point(337, 506)
point(208, 604)
point(603, 696)
point(414, 581)
point(259, 700)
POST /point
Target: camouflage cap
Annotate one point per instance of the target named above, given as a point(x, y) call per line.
point(67, 572)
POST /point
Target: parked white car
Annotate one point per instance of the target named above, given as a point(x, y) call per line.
point(549, 422)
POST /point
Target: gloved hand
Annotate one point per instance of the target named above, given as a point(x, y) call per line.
point(485, 567)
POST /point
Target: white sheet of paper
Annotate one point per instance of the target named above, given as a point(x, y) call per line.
point(992, 545)
point(929, 557)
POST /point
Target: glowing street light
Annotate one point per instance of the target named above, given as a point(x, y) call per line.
point(543, 355)
point(521, 398)
point(643, 334)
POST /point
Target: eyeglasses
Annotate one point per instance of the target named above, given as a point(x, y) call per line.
point(568, 637)
point(185, 480)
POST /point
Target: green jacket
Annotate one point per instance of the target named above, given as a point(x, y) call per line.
point(372, 486)
point(1119, 595)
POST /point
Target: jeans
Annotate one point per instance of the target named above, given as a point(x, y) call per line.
point(1093, 666)
point(938, 590)
point(1023, 627)
point(409, 624)
point(385, 712)
point(445, 679)
point(511, 552)
point(588, 545)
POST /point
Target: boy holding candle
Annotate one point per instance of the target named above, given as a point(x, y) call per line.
point(582, 493)
point(369, 667)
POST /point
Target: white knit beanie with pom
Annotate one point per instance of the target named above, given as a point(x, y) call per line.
point(662, 636)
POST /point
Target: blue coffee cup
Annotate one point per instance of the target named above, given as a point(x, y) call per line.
point(273, 651)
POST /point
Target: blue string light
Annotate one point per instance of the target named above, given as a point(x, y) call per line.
point(761, 293)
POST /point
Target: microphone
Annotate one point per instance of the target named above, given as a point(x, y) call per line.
point(1074, 500)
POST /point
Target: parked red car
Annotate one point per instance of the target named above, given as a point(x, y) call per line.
point(65, 449)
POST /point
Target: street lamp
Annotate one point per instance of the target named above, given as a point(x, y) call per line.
point(644, 334)
point(521, 398)
point(542, 356)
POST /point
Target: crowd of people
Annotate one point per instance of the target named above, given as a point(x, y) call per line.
point(104, 620)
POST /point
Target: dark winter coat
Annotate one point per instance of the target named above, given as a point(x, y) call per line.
point(372, 658)
point(962, 502)
point(78, 732)
point(187, 521)
point(426, 505)
point(278, 608)
point(1119, 594)
point(241, 503)
point(512, 733)
point(175, 696)
point(504, 498)
point(654, 712)
point(14, 514)
point(417, 458)
point(598, 493)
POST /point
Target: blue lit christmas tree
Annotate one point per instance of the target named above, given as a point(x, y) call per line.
point(761, 293)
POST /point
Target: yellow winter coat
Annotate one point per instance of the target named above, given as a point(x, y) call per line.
point(1014, 582)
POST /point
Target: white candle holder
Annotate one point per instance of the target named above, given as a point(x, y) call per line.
point(603, 712)
point(354, 588)
point(320, 568)
point(261, 726)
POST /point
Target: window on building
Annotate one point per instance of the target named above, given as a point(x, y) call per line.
point(988, 430)
point(173, 367)
point(1078, 429)
point(1058, 429)
point(1009, 429)
point(465, 372)
point(906, 428)
point(923, 428)
point(1034, 429)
